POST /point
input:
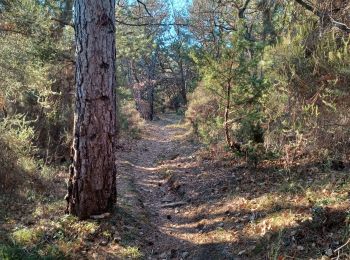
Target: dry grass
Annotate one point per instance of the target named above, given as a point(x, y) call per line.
point(263, 213)
point(33, 226)
point(232, 210)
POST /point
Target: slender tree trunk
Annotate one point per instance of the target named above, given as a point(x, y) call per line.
point(183, 84)
point(151, 79)
point(269, 32)
point(234, 146)
point(92, 183)
point(151, 101)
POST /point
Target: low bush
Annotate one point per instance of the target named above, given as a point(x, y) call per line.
point(16, 153)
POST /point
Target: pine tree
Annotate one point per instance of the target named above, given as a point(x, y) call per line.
point(92, 185)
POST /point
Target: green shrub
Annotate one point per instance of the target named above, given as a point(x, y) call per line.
point(16, 153)
point(130, 121)
point(306, 109)
point(204, 114)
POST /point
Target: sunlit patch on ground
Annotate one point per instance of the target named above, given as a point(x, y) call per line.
point(226, 209)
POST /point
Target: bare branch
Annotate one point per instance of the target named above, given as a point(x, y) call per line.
point(144, 6)
point(307, 6)
point(152, 24)
point(341, 26)
point(62, 22)
point(324, 15)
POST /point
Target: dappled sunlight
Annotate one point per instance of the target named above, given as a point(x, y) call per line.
point(177, 129)
point(156, 140)
point(173, 197)
point(272, 223)
point(139, 167)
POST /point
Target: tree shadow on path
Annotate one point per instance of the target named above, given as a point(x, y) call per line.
point(164, 168)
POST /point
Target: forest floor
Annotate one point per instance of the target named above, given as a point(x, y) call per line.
point(200, 203)
point(180, 200)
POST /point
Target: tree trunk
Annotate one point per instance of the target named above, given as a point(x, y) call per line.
point(234, 146)
point(183, 84)
point(92, 183)
point(152, 81)
point(151, 101)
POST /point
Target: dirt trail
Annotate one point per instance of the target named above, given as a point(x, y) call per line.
point(226, 210)
point(161, 166)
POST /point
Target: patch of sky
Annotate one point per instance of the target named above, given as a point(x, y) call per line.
point(177, 8)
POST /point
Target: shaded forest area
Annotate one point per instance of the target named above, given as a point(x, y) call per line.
point(229, 122)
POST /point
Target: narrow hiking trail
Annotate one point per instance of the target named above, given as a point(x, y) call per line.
point(179, 201)
point(148, 168)
point(161, 171)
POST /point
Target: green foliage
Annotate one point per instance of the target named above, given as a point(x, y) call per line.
point(304, 108)
point(203, 114)
point(288, 94)
point(130, 122)
point(10, 252)
point(132, 252)
point(238, 67)
point(16, 158)
point(26, 236)
point(35, 90)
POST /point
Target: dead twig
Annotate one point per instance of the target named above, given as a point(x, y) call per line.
point(347, 242)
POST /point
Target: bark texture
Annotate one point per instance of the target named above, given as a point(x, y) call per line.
point(92, 183)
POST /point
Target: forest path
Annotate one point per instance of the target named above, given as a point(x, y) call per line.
point(225, 209)
point(161, 165)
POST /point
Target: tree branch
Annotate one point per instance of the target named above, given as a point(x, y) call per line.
point(307, 6)
point(323, 15)
point(242, 10)
point(62, 22)
point(152, 24)
point(144, 6)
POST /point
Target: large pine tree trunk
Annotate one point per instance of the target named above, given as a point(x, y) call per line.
point(92, 184)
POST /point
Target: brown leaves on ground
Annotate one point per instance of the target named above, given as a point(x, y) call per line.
point(233, 210)
point(219, 208)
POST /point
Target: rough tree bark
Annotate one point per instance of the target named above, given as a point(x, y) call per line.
point(92, 183)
